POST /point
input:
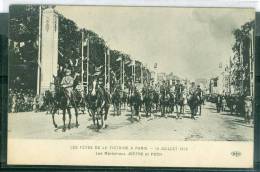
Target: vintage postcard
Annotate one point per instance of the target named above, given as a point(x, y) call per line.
point(131, 86)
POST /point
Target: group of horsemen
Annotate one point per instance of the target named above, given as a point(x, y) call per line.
point(164, 98)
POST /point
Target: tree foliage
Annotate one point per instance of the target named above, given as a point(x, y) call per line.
point(23, 54)
point(240, 68)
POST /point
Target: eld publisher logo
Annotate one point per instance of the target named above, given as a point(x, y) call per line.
point(236, 153)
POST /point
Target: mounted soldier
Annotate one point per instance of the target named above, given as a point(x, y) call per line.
point(219, 103)
point(136, 103)
point(163, 99)
point(193, 100)
point(67, 83)
point(179, 96)
point(147, 93)
point(116, 98)
point(98, 101)
point(64, 98)
point(200, 94)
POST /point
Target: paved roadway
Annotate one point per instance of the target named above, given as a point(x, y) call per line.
point(209, 126)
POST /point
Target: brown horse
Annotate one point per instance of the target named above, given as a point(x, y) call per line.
point(63, 101)
point(98, 101)
point(135, 101)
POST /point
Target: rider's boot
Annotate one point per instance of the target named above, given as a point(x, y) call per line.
point(103, 124)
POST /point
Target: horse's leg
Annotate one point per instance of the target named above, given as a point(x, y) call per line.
point(180, 112)
point(176, 108)
point(114, 105)
point(69, 112)
point(64, 119)
point(138, 113)
point(103, 120)
point(245, 117)
point(177, 111)
point(106, 111)
point(93, 116)
point(166, 110)
point(120, 108)
point(76, 115)
point(193, 112)
point(97, 123)
point(131, 111)
point(149, 109)
point(53, 119)
point(146, 109)
point(116, 109)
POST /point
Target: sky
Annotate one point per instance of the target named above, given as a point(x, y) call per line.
point(189, 42)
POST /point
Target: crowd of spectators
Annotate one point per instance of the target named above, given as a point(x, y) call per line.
point(23, 100)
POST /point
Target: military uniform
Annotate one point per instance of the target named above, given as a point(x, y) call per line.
point(67, 83)
point(192, 90)
point(178, 88)
point(199, 92)
point(163, 89)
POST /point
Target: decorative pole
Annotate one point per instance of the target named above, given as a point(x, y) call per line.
point(123, 74)
point(132, 67)
point(108, 63)
point(82, 60)
point(88, 57)
point(134, 71)
point(105, 67)
point(39, 51)
point(142, 79)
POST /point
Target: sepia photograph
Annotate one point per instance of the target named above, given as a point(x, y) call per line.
point(131, 74)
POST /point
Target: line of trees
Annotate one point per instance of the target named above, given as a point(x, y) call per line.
point(23, 49)
point(243, 57)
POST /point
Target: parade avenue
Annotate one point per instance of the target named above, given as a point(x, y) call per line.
point(209, 126)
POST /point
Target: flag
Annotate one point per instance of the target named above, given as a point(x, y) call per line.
point(77, 74)
point(22, 44)
point(60, 53)
point(97, 73)
point(120, 58)
point(132, 63)
point(77, 61)
point(71, 63)
point(85, 42)
point(97, 69)
point(127, 61)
